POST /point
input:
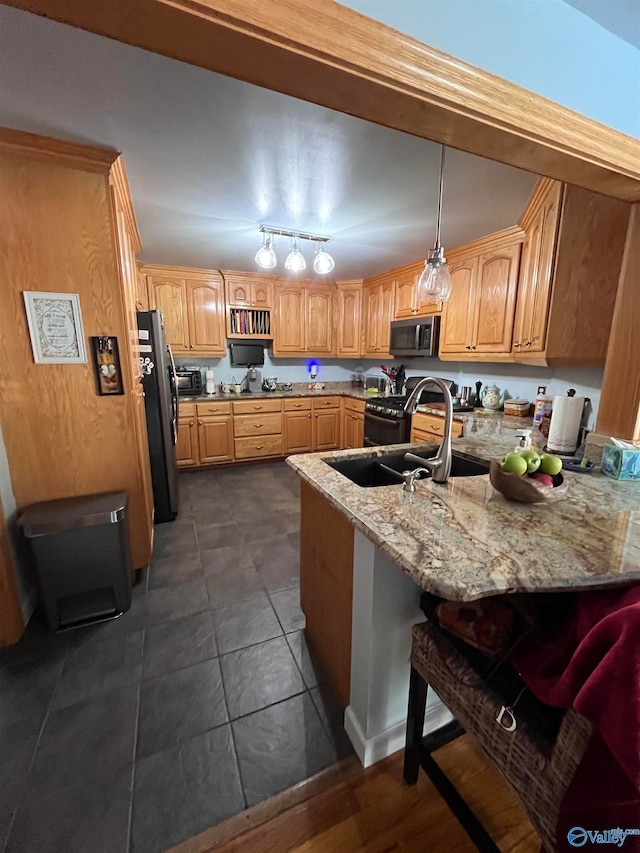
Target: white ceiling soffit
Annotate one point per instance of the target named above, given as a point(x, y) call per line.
point(620, 17)
point(210, 158)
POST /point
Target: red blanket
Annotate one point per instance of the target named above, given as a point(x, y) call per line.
point(592, 664)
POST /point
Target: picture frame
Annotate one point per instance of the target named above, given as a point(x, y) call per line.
point(106, 365)
point(55, 327)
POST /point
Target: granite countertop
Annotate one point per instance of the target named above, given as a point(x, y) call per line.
point(464, 540)
point(331, 389)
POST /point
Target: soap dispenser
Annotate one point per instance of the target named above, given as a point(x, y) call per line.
point(524, 439)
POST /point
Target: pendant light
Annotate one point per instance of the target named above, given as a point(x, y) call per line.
point(434, 285)
point(295, 259)
point(323, 263)
point(266, 256)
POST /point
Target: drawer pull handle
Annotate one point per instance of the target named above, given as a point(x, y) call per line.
point(258, 408)
point(259, 446)
point(257, 425)
point(298, 405)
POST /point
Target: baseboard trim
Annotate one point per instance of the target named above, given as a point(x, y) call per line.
point(392, 739)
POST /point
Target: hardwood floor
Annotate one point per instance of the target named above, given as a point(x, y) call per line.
point(373, 810)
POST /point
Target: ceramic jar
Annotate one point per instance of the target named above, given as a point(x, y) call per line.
point(491, 398)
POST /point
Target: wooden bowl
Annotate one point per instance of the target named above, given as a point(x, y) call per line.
point(520, 487)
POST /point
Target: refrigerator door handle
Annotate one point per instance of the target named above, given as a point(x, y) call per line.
point(174, 398)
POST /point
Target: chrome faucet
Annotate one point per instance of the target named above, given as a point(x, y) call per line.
point(440, 464)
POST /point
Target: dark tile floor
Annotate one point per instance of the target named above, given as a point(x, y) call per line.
point(200, 701)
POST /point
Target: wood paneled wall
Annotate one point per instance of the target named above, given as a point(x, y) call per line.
point(62, 439)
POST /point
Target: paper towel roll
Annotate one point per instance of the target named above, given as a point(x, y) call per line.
point(564, 429)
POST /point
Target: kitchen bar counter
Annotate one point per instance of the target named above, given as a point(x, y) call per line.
point(464, 540)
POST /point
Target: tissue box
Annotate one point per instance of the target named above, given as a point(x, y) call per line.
point(621, 463)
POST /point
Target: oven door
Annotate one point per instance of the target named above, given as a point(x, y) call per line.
point(380, 430)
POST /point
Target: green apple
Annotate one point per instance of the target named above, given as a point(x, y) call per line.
point(550, 464)
point(531, 458)
point(514, 463)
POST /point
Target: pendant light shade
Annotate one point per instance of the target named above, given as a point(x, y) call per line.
point(295, 259)
point(434, 285)
point(265, 256)
point(323, 263)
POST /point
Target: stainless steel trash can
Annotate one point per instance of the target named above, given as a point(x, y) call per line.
point(80, 550)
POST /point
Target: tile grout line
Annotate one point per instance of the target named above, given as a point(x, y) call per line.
point(135, 746)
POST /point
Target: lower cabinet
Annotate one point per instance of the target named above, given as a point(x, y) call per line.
point(427, 427)
point(353, 424)
point(297, 432)
point(257, 428)
point(326, 423)
point(215, 440)
point(187, 443)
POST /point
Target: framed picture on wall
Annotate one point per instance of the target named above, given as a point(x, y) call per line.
point(55, 327)
point(106, 363)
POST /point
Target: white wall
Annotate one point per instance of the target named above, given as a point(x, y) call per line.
point(544, 45)
point(518, 380)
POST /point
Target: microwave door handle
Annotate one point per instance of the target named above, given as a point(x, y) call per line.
point(174, 397)
point(416, 345)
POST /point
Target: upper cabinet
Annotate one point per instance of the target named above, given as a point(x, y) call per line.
point(304, 318)
point(477, 320)
point(571, 260)
point(349, 304)
point(407, 303)
point(245, 290)
point(378, 300)
point(192, 304)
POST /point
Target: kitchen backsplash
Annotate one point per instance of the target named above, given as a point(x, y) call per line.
point(518, 380)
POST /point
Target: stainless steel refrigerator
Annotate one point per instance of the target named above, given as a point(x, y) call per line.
point(161, 405)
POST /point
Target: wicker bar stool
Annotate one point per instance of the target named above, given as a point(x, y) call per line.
point(538, 771)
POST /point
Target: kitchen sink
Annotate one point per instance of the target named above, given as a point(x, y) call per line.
point(387, 470)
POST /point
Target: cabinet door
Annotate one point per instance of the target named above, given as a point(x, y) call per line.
point(420, 435)
point(495, 300)
point(142, 296)
point(387, 293)
point(169, 295)
point(319, 317)
point(349, 301)
point(289, 320)
point(187, 443)
point(405, 297)
point(371, 318)
point(353, 430)
point(528, 271)
point(215, 439)
point(326, 430)
point(297, 432)
point(540, 292)
point(458, 313)
point(238, 293)
point(262, 295)
point(206, 317)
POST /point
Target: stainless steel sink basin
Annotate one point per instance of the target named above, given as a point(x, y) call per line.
point(370, 471)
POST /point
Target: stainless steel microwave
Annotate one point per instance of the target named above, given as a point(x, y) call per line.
point(419, 336)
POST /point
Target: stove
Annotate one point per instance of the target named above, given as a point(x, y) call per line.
point(385, 418)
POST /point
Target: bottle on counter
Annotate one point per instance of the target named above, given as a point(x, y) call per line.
point(543, 406)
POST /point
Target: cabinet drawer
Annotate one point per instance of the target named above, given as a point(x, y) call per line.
point(222, 408)
point(186, 410)
point(326, 403)
point(253, 407)
point(353, 405)
point(299, 404)
point(435, 424)
point(249, 448)
point(418, 436)
point(268, 424)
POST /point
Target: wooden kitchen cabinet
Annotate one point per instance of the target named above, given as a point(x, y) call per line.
point(378, 311)
point(428, 427)
point(407, 304)
point(215, 439)
point(257, 428)
point(571, 262)
point(187, 443)
point(326, 430)
point(248, 291)
point(303, 319)
point(193, 308)
point(352, 423)
point(477, 320)
point(297, 433)
point(349, 309)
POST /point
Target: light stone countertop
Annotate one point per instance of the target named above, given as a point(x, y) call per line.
point(464, 540)
point(331, 389)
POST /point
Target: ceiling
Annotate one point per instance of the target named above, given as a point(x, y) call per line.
point(210, 158)
point(620, 17)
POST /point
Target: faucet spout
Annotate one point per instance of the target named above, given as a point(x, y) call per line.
point(440, 464)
